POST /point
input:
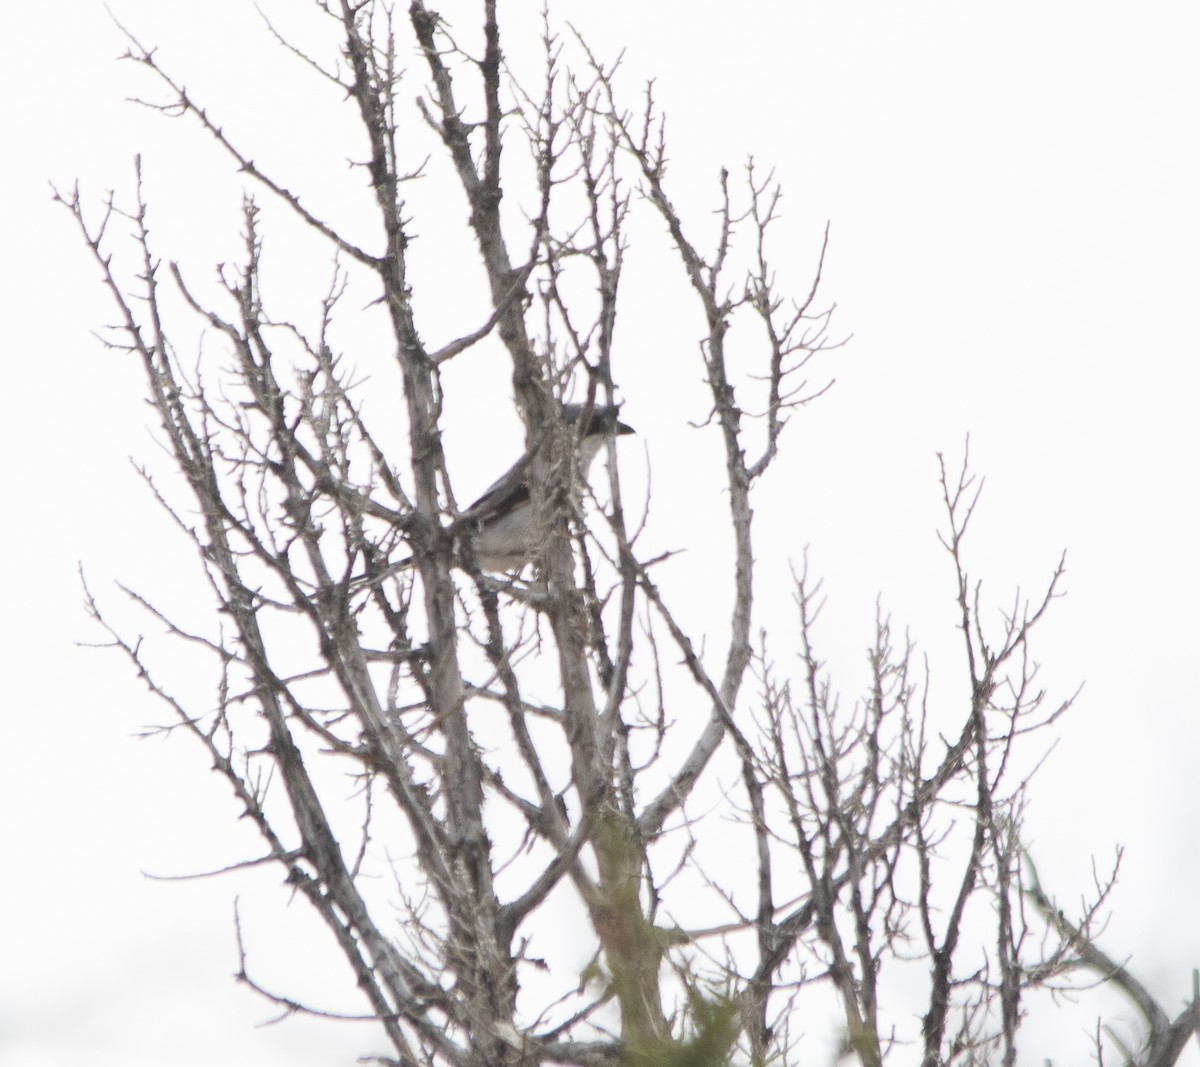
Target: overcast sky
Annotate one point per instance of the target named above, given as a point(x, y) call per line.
point(1013, 198)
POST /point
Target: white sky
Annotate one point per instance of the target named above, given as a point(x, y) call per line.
point(1013, 194)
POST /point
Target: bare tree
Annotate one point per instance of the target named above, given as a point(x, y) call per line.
point(532, 737)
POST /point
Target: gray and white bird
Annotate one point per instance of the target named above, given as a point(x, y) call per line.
point(503, 527)
point(501, 523)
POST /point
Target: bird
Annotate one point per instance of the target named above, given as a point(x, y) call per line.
point(501, 524)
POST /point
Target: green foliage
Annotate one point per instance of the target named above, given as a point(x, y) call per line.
point(714, 1028)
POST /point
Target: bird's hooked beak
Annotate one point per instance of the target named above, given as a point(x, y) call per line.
point(604, 420)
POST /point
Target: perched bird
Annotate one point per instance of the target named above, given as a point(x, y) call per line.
point(502, 523)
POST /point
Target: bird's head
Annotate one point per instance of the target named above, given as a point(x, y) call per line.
point(602, 419)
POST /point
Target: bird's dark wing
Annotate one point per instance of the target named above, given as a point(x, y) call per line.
point(504, 495)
